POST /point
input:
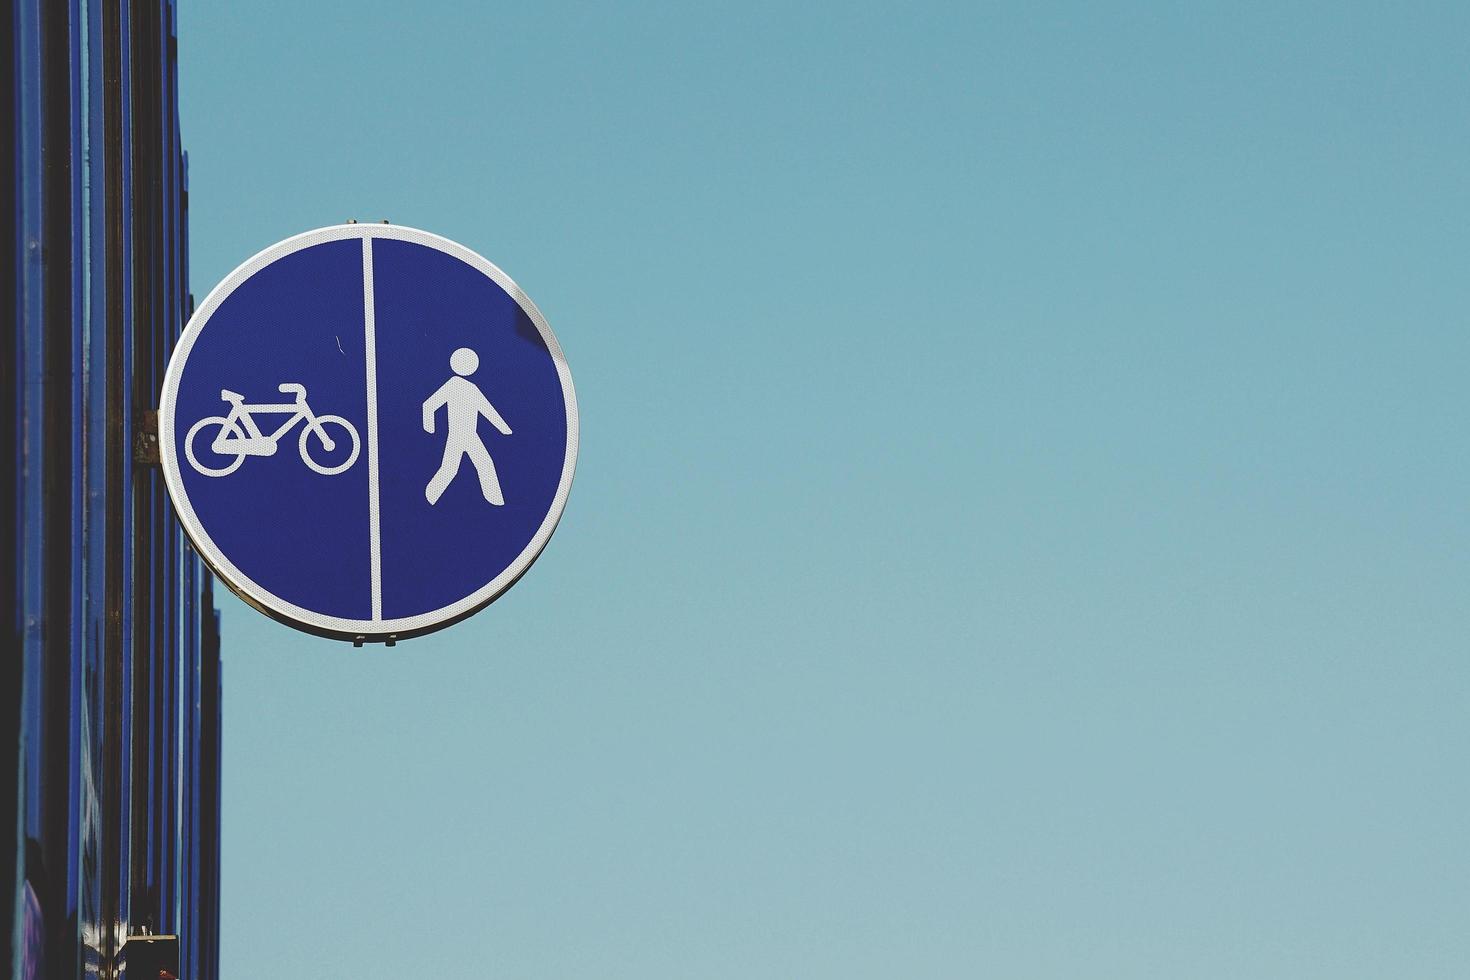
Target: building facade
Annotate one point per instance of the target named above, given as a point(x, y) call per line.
point(110, 674)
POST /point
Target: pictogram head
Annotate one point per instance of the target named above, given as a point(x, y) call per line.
point(464, 361)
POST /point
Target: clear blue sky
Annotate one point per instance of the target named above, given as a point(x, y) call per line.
point(1021, 527)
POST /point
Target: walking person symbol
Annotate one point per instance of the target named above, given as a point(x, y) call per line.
point(464, 403)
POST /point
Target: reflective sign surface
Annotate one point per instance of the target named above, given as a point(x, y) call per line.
point(368, 431)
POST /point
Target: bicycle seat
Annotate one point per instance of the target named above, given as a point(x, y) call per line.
point(230, 396)
point(290, 387)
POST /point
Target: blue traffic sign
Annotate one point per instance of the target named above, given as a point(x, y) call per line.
point(368, 431)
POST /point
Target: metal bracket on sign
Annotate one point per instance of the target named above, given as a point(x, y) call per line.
point(145, 440)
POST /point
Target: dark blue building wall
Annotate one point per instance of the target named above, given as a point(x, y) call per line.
point(110, 675)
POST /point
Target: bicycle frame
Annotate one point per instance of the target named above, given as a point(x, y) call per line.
point(255, 442)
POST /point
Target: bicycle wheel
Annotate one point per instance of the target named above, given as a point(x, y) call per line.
point(338, 457)
point(228, 430)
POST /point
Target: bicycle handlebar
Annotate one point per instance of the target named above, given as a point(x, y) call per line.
point(290, 387)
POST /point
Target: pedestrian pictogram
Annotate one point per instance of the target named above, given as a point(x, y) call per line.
point(368, 431)
point(465, 404)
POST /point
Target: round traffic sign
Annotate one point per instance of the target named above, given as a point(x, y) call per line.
point(368, 431)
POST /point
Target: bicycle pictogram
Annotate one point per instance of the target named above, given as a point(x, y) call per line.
point(239, 435)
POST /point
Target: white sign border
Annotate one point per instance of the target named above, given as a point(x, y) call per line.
point(262, 598)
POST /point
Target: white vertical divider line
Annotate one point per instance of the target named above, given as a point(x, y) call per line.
point(370, 345)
